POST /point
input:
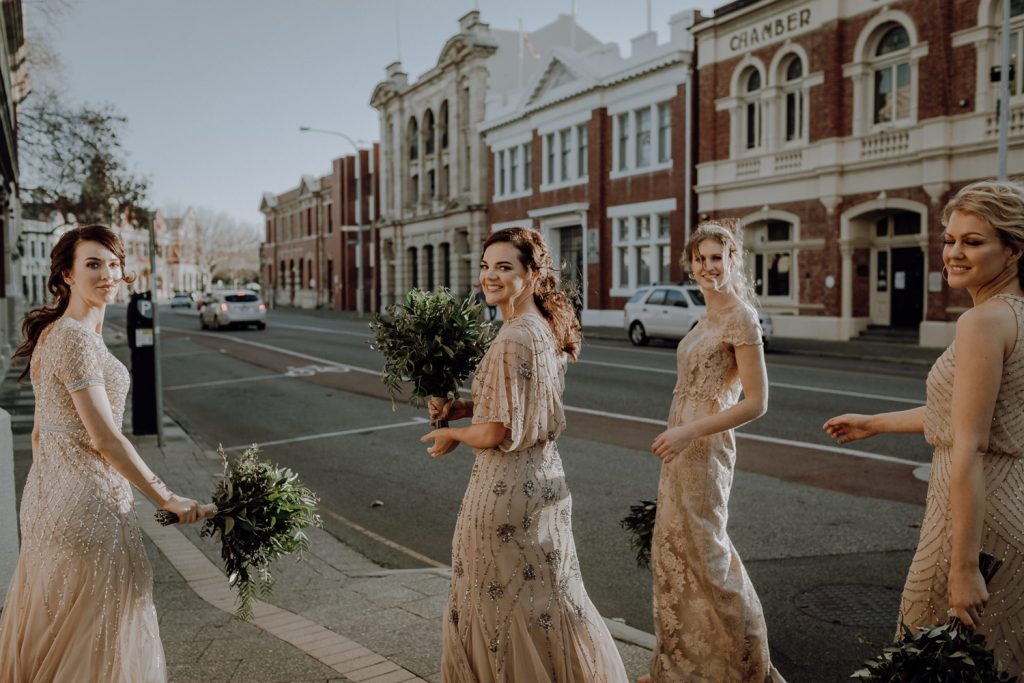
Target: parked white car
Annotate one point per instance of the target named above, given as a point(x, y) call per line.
point(669, 312)
point(232, 309)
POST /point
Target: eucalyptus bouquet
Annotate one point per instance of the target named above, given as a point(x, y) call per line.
point(262, 509)
point(433, 340)
point(942, 653)
point(640, 524)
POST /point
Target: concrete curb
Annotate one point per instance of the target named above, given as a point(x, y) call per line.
point(345, 656)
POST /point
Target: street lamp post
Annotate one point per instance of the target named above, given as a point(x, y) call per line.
point(359, 211)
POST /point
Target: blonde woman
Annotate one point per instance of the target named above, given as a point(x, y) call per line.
point(974, 419)
point(709, 623)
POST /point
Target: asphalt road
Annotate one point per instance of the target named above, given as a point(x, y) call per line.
point(826, 534)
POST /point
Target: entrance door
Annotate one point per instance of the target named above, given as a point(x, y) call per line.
point(907, 287)
point(570, 253)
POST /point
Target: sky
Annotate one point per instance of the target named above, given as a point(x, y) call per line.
point(215, 90)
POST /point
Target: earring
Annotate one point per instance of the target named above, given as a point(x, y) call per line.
point(945, 275)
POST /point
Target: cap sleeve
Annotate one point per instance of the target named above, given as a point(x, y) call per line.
point(512, 388)
point(78, 363)
point(742, 327)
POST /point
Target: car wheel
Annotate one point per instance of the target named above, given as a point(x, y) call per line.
point(637, 334)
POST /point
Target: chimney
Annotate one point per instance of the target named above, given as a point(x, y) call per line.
point(644, 43)
point(395, 74)
point(679, 27)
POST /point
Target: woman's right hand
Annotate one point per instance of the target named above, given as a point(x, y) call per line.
point(188, 511)
point(445, 409)
point(849, 427)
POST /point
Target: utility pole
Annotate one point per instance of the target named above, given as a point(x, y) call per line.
point(1004, 93)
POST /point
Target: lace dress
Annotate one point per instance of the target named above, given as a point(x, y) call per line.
point(80, 604)
point(709, 624)
point(517, 611)
point(925, 596)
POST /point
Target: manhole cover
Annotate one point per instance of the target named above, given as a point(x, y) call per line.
point(852, 604)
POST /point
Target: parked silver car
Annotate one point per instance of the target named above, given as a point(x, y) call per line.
point(669, 312)
point(232, 309)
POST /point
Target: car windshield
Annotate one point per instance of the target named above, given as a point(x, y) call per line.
point(237, 298)
point(639, 296)
point(696, 296)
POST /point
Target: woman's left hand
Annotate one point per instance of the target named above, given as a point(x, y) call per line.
point(967, 595)
point(443, 442)
point(670, 443)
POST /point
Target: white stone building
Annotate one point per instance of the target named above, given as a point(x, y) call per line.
point(434, 192)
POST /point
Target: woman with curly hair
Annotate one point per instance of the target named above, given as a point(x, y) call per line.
point(517, 609)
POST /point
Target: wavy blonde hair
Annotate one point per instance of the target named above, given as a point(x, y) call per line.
point(998, 203)
point(727, 232)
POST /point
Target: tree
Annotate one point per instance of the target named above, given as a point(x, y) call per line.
point(73, 159)
point(225, 248)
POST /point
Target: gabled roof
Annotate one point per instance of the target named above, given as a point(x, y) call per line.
point(564, 71)
point(309, 184)
point(269, 201)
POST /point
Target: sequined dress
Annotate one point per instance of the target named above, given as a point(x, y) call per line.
point(925, 593)
point(517, 610)
point(80, 604)
point(708, 620)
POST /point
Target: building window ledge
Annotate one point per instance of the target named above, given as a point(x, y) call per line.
point(653, 168)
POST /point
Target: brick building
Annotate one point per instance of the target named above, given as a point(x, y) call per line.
point(836, 132)
point(310, 255)
point(596, 154)
point(434, 209)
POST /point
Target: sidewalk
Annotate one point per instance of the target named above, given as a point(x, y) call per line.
point(908, 354)
point(336, 617)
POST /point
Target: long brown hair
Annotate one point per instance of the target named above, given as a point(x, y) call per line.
point(62, 260)
point(554, 302)
point(727, 232)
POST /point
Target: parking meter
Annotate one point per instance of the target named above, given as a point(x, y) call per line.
point(143, 364)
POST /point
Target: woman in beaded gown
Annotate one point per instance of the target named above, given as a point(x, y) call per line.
point(80, 603)
point(973, 418)
point(708, 620)
point(517, 610)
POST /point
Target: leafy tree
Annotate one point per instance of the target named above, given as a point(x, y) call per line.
point(73, 159)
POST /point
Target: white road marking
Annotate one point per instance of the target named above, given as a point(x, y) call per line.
point(634, 418)
point(780, 385)
point(325, 330)
point(329, 435)
point(757, 437)
point(213, 383)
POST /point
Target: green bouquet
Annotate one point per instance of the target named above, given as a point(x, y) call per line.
point(434, 340)
point(942, 653)
point(640, 524)
point(262, 510)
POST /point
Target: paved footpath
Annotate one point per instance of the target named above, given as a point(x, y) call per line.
point(336, 616)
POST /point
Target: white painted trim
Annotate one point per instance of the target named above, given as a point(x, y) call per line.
point(864, 48)
point(734, 80)
point(646, 98)
point(655, 206)
point(517, 223)
point(558, 210)
point(651, 168)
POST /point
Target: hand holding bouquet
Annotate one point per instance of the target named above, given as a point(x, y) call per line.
point(433, 340)
point(261, 512)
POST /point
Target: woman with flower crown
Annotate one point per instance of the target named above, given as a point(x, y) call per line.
point(709, 624)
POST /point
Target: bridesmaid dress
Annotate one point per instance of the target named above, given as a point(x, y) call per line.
point(517, 609)
point(80, 604)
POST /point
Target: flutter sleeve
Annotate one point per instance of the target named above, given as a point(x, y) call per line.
point(742, 327)
point(512, 390)
point(79, 363)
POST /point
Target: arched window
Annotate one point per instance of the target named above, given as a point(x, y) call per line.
point(414, 139)
point(772, 258)
point(428, 133)
point(792, 82)
point(1016, 46)
point(442, 124)
point(892, 95)
point(752, 117)
point(414, 267)
point(428, 257)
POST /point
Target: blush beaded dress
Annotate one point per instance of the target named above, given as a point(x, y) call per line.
point(708, 620)
point(517, 610)
point(80, 604)
point(925, 596)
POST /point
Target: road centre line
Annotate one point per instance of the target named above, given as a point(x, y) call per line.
point(329, 435)
point(588, 411)
point(325, 330)
point(780, 385)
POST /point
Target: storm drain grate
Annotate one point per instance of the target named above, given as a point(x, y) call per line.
point(852, 604)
